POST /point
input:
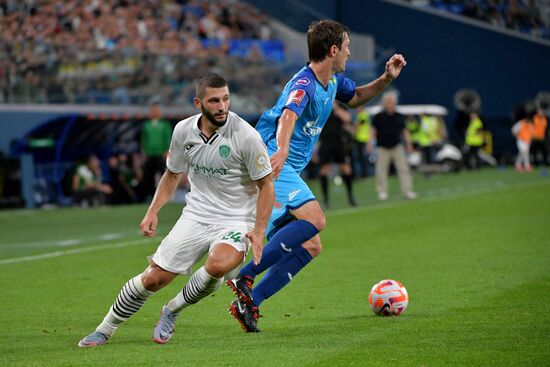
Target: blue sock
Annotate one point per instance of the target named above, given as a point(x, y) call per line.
point(280, 274)
point(283, 242)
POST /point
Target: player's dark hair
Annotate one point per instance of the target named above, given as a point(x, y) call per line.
point(322, 35)
point(210, 80)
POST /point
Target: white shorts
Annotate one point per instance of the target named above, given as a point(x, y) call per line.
point(189, 241)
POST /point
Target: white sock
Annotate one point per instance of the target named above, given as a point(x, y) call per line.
point(200, 285)
point(130, 299)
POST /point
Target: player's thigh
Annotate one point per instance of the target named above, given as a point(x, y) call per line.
point(291, 193)
point(222, 259)
point(228, 248)
point(312, 212)
point(185, 245)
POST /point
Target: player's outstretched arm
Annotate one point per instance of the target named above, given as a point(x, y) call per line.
point(266, 197)
point(165, 190)
point(285, 128)
point(365, 93)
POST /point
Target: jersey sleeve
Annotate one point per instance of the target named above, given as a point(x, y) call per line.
point(346, 88)
point(175, 162)
point(301, 91)
point(255, 157)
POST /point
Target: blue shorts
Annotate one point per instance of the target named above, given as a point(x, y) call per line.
point(291, 192)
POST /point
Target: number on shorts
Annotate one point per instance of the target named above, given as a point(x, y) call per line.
point(235, 236)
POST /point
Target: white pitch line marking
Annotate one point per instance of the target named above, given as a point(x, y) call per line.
point(71, 242)
point(110, 236)
point(48, 255)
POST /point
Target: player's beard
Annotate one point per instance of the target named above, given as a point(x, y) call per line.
point(212, 119)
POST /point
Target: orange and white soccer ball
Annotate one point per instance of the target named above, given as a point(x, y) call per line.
point(388, 298)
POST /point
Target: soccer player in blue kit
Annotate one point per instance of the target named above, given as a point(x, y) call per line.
point(290, 130)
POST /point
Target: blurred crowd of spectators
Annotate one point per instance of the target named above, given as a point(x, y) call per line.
point(526, 16)
point(125, 51)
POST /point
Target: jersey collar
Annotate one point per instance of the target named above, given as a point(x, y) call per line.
point(315, 76)
point(219, 132)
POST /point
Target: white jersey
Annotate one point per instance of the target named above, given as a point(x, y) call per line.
point(221, 168)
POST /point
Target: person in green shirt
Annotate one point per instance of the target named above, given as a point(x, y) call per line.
point(155, 141)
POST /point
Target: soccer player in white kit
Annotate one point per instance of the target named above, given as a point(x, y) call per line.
point(227, 211)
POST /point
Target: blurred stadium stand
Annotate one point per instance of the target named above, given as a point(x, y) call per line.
point(68, 65)
point(529, 17)
point(126, 52)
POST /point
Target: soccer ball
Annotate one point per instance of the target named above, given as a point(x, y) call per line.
point(388, 298)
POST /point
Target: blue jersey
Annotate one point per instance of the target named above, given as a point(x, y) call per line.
point(312, 102)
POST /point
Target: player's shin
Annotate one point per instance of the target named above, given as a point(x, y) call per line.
point(131, 298)
point(280, 274)
point(288, 238)
point(200, 285)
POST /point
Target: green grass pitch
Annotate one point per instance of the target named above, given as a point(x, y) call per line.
point(473, 252)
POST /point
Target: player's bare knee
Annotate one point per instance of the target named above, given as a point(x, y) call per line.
point(223, 259)
point(215, 272)
point(320, 222)
point(313, 247)
point(152, 282)
point(155, 278)
point(216, 268)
